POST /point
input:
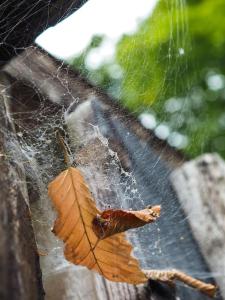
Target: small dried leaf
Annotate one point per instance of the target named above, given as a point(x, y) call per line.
point(114, 221)
point(76, 210)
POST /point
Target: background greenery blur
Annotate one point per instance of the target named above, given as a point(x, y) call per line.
point(171, 73)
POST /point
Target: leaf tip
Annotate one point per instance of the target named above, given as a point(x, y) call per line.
point(154, 211)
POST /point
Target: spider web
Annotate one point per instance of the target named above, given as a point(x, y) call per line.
point(45, 100)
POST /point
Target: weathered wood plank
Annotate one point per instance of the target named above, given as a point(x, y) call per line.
point(59, 83)
point(19, 262)
point(200, 185)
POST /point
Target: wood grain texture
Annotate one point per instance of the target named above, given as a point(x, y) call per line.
point(19, 262)
point(200, 185)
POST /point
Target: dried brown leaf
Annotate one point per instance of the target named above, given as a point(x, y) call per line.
point(113, 221)
point(76, 210)
point(110, 257)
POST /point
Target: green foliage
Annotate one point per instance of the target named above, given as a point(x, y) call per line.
point(173, 67)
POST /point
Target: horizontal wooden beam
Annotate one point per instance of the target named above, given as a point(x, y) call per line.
point(35, 65)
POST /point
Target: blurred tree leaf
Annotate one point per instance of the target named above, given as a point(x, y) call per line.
point(174, 68)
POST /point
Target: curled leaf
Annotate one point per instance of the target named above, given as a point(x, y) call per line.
point(113, 221)
point(76, 210)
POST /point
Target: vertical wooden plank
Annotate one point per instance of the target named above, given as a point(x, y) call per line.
point(19, 262)
point(200, 185)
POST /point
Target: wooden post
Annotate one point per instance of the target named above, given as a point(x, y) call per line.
point(200, 186)
point(19, 262)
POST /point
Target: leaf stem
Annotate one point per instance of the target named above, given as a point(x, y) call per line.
point(63, 147)
point(170, 275)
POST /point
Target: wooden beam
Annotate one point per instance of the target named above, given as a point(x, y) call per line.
point(59, 82)
point(22, 21)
